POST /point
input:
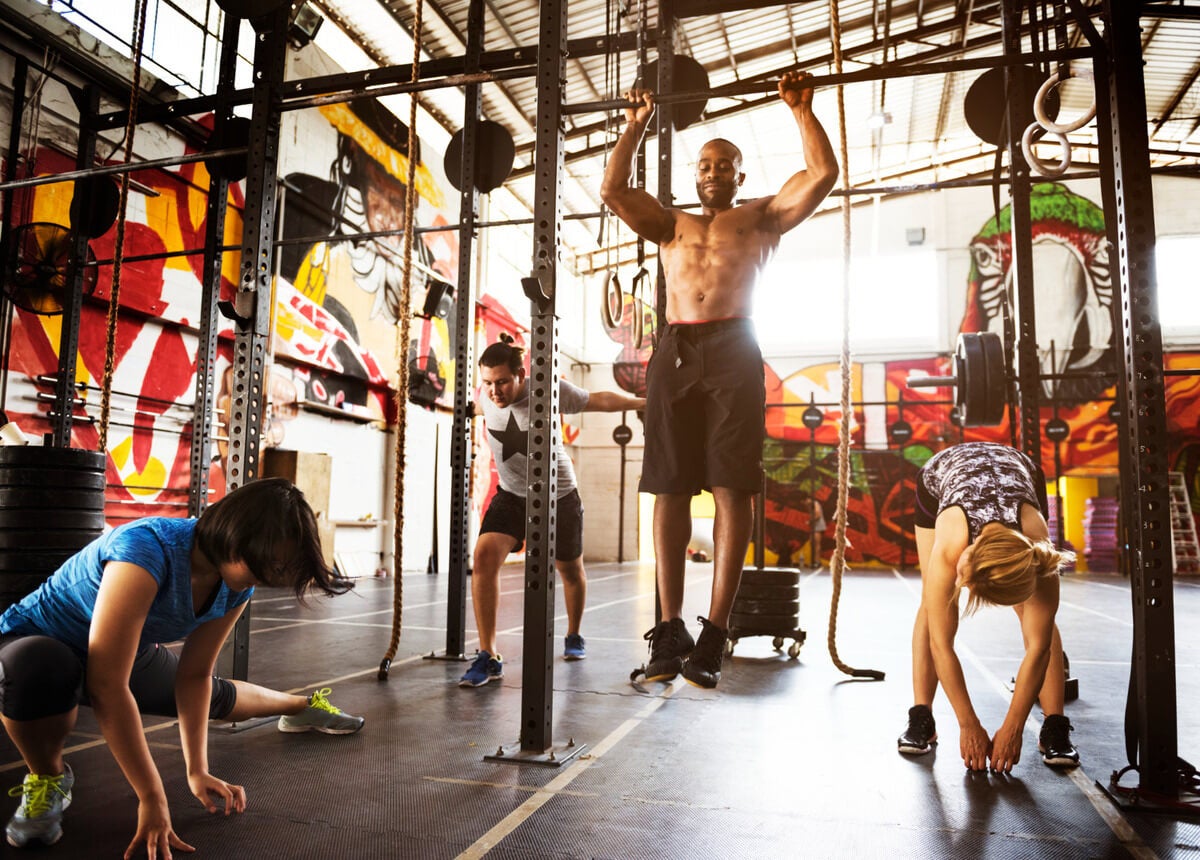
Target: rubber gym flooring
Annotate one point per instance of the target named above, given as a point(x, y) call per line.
point(787, 758)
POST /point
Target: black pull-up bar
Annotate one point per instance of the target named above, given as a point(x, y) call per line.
point(873, 73)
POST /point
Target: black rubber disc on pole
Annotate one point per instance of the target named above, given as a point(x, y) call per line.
point(687, 75)
point(251, 8)
point(494, 154)
point(234, 132)
point(94, 205)
point(984, 104)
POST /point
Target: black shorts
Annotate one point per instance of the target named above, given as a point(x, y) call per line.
point(506, 515)
point(705, 409)
point(43, 677)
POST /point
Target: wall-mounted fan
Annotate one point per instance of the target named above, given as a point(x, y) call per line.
point(41, 261)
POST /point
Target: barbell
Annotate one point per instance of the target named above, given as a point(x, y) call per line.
point(979, 379)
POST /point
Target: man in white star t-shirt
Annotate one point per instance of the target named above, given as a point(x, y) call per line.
point(506, 414)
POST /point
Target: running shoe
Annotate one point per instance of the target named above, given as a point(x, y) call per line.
point(321, 715)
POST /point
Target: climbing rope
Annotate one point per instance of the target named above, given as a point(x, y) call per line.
point(837, 564)
point(114, 298)
point(410, 205)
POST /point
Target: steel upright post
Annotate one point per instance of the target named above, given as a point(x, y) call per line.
point(1021, 268)
point(204, 406)
point(464, 359)
point(1152, 744)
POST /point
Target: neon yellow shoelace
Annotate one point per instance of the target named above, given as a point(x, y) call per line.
point(36, 793)
point(321, 703)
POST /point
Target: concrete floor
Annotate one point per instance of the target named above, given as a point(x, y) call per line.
point(786, 758)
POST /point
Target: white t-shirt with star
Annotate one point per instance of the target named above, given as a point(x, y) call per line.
point(507, 432)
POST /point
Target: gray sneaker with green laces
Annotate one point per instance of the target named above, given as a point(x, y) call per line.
point(39, 817)
point(321, 716)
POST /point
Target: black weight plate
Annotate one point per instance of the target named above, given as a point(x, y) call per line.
point(967, 357)
point(62, 458)
point(768, 592)
point(765, 623)
point(37, 519)
point(18, 561)
point(994, 378)
point(14, 586)
point(774, 576)
point(31, 497)
point(50, 540)
point(980, 388)
point(67, 479)
point(766, 607)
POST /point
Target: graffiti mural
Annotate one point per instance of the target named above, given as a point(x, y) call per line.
point(336, 304)
point(342, 253)
point(1076, 348)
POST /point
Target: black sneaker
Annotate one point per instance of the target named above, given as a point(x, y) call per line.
point(702, 668)
point(670, 642)
point(1054, 742)
point(921, 734)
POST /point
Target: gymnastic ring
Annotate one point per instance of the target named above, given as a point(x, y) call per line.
point(612, 289)
point(1039, 106)
point(1037, 164)
point(639, 307)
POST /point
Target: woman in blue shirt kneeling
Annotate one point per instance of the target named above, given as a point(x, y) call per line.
point(92, 634)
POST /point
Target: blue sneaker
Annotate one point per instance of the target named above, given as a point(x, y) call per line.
point(39, 817)
point(574, 647)
point(485, 668)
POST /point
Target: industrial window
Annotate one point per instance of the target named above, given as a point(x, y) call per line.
point(894, 304)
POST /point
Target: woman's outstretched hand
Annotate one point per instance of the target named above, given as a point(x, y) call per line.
point(212, 792)
point(975, 746)
point(155, 832)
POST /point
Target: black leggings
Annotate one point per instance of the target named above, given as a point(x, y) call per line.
point(43, 677)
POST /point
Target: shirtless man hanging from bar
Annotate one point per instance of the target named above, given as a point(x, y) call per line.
point(705, 399)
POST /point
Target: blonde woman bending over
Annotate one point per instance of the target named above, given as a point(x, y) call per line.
point(980, 525)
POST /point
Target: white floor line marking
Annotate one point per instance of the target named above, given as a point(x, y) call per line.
point(1124, 622)
point(543, 795)
point(1104, 806)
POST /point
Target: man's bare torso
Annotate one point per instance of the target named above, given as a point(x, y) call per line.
point(713, 262)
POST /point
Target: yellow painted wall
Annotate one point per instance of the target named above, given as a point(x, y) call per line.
point(702, 506)
point(1075, 493)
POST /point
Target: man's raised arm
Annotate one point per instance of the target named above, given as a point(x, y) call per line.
point(804, 191)
point(638, 209)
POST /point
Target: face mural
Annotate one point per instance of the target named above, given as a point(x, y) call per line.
point(355, 279)
point(1073, 303)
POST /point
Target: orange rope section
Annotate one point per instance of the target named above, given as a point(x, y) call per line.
point(114, 299)
point(410, 205)
point(837, 564)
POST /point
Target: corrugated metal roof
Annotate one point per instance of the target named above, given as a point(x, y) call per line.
point(926, 140)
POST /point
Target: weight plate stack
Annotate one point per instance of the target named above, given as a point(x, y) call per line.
point(51, 506)
point(768, 604)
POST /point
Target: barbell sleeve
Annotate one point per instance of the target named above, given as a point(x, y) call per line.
point(931, 382)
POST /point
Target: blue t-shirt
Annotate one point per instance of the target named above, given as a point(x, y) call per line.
point(62, 606)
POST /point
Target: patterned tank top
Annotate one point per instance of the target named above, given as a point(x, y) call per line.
point(987, 480)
